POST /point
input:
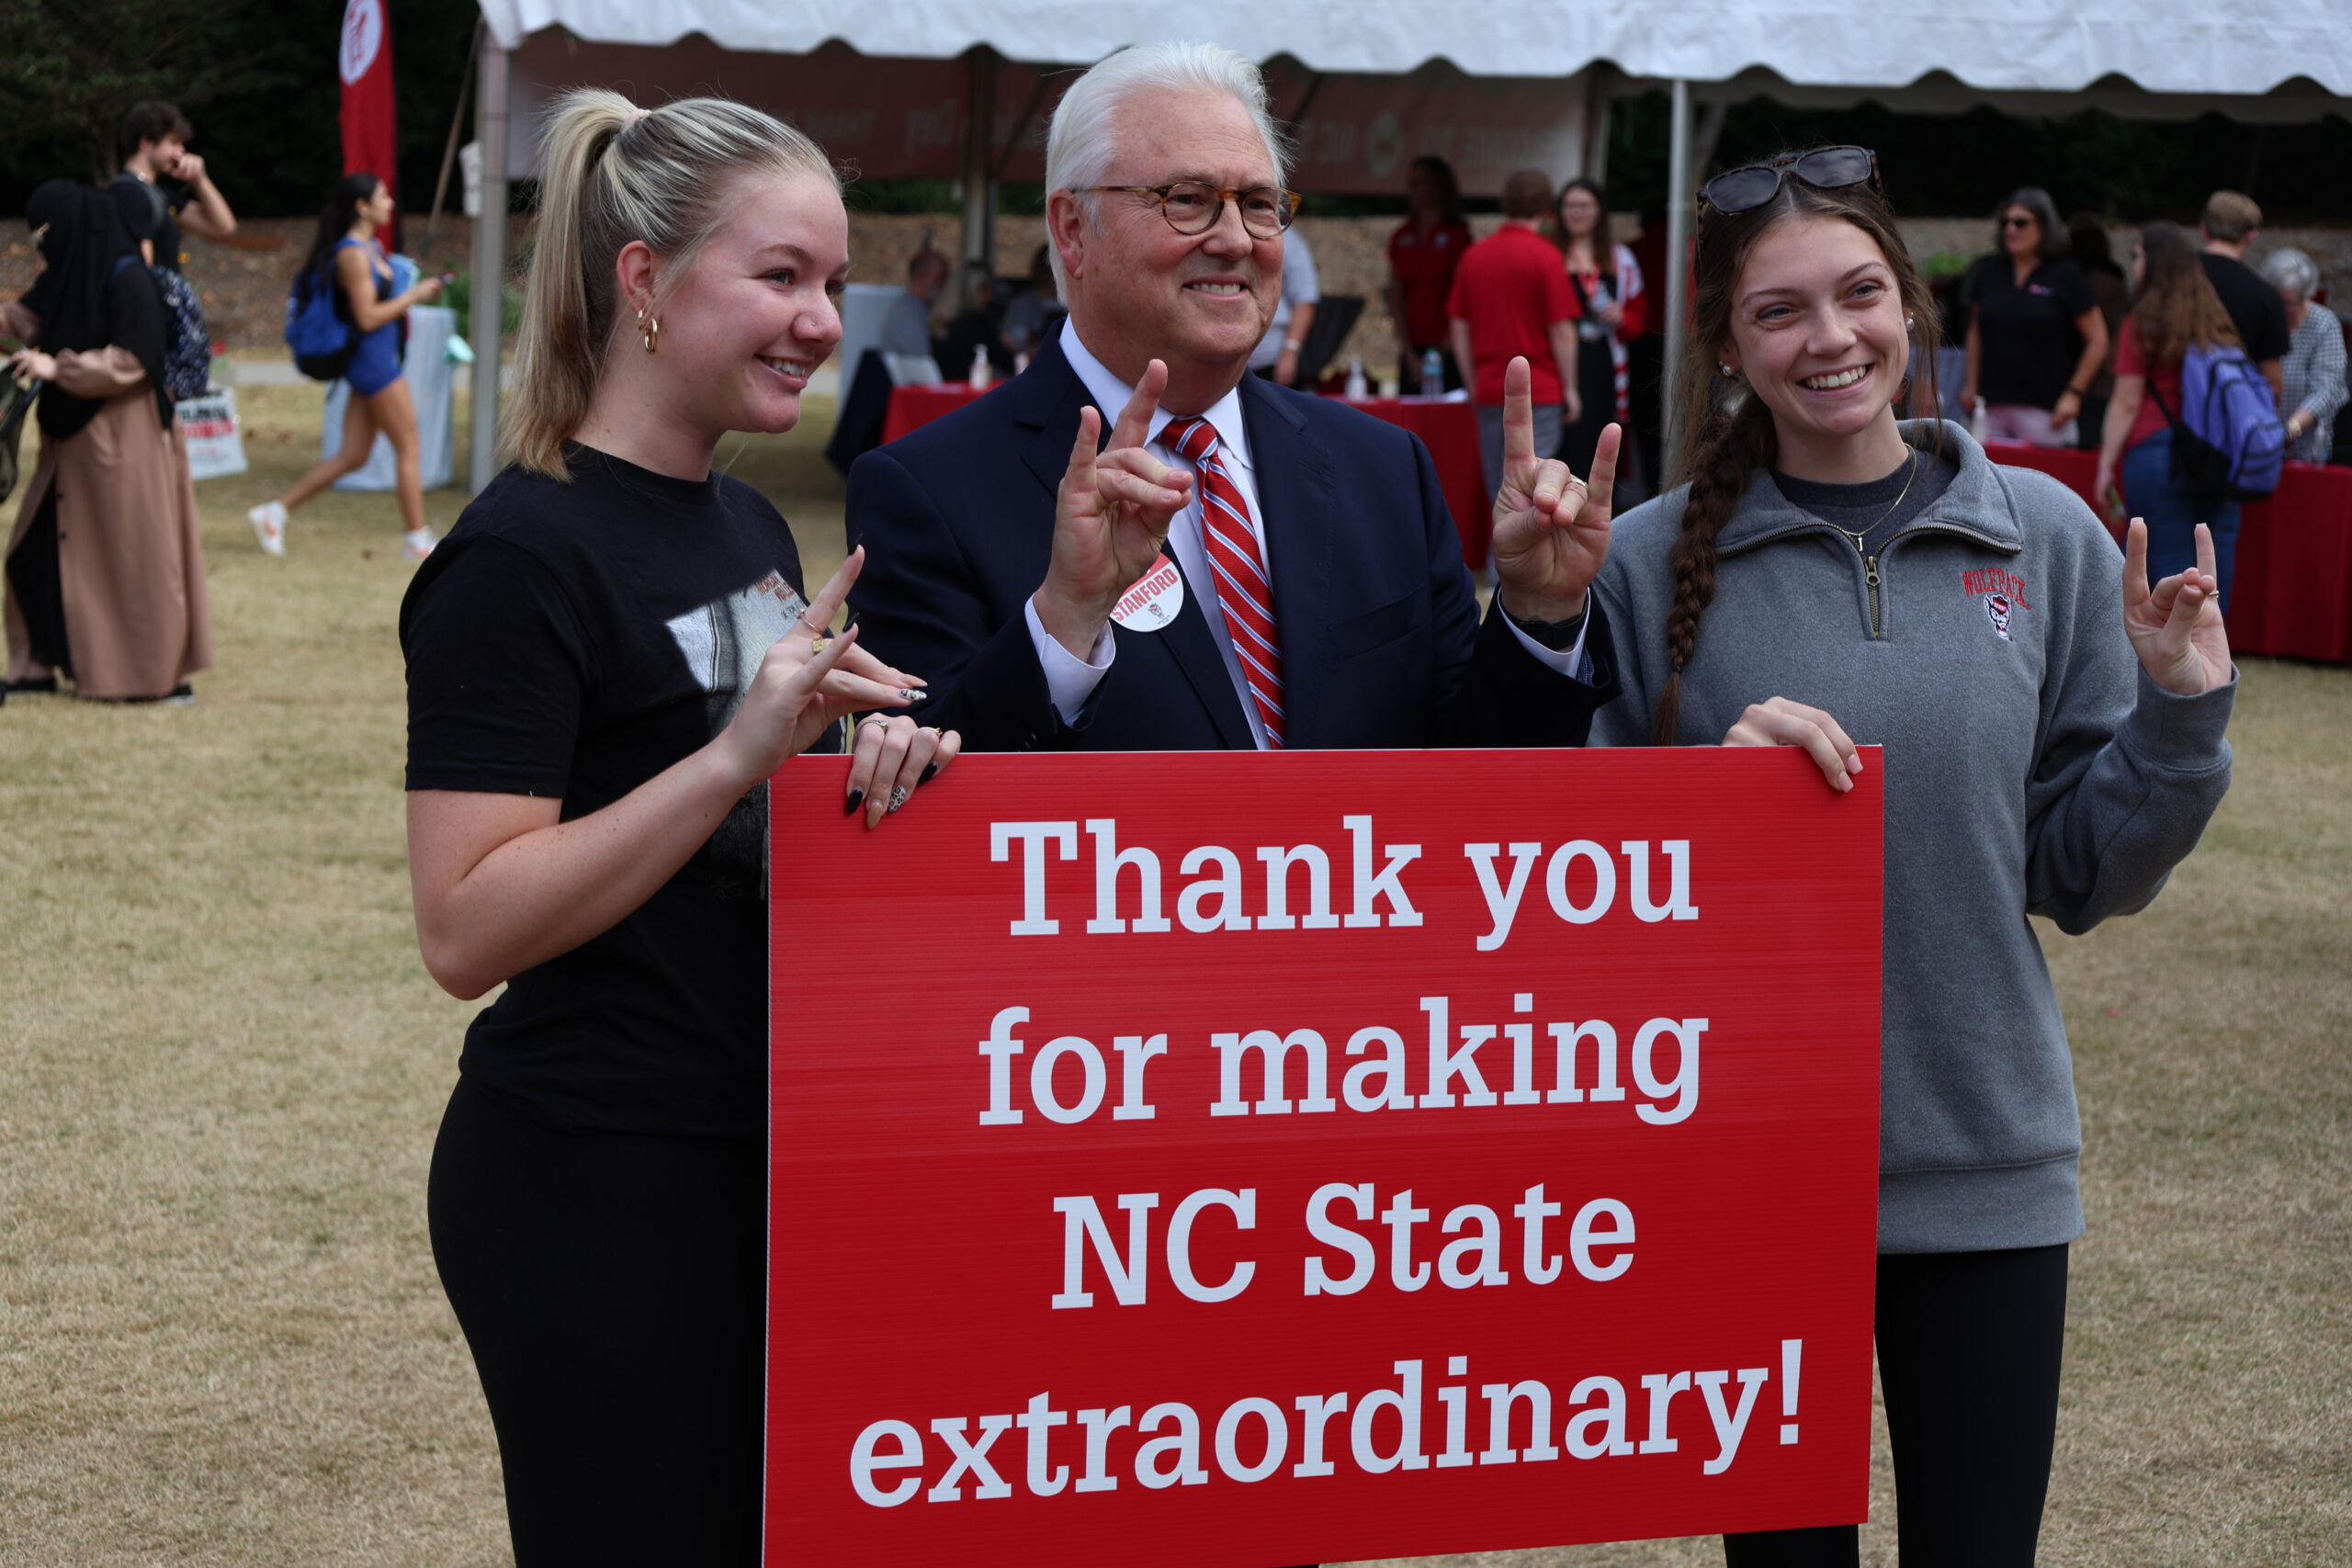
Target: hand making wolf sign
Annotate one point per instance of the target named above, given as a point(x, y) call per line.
point(2175, 627)
point(1551, 527)
point(1111, 519)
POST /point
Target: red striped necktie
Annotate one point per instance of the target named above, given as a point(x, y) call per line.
point(1242, 591)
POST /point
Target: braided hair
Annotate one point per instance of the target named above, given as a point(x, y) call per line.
point(1733, 434)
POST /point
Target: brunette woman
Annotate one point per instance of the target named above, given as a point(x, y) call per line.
point(1613, 310)
point(106, 573)
point(1422, 254)
point(347, 256)
point(608, 658)
point(2174, 307)
point(2054, 745)
point(2036, 340)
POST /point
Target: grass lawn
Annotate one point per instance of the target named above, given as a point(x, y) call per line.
point(221, 1340)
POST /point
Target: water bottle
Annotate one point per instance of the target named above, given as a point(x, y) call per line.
point(979, 379)
point(1432, 374)
point(1358, 387)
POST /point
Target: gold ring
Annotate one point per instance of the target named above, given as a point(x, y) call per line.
point(816, 645)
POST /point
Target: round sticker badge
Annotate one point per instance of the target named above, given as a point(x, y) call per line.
point(1153, 601)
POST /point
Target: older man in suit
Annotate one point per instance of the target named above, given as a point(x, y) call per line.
point(1244, 565)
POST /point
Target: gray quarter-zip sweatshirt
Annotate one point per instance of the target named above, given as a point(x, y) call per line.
point(2030, 768)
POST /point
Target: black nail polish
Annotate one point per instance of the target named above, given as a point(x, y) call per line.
point(856, 799)
point(929, 774)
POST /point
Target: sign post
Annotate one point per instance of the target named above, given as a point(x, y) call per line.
point(1215, 1158)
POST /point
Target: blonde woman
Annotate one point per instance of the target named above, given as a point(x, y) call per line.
point(608, 657)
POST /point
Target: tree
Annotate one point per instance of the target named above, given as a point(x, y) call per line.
point(257, 77)
point(69, 70)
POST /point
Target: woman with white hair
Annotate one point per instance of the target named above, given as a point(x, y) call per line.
point(2314, 367)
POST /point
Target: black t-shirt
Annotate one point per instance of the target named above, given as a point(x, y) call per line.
point(1878, 509)
point(2253, 306)
point(2028, 344)
point(150, 211)
point(575, 640)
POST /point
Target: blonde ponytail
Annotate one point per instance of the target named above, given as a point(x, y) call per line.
point(611, 173)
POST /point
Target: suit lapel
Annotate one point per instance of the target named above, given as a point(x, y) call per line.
point(1295, 495)
point(1047, 399)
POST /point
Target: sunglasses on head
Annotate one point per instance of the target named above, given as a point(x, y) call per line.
point(1824, 168)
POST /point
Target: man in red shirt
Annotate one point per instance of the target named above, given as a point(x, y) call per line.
point(1511, 297)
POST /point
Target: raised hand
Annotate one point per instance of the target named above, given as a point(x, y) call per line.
point(1110, 520)
point(2176, 627)
point(806, 681)
point(1551, 528)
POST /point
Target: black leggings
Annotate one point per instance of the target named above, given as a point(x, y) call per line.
point(611, 1288)
point(1968, 1352)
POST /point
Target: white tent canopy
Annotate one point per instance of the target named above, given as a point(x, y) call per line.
point(1506, 68)
point(2051, 46)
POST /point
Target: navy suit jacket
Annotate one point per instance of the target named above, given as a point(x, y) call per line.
point(1381, 640)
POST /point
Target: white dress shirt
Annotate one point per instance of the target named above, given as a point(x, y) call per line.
point(1070, 681)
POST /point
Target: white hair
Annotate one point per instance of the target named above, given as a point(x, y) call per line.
point(1081, 145)
point(2290, 271)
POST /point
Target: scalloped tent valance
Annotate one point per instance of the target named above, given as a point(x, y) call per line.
point(2189, 47)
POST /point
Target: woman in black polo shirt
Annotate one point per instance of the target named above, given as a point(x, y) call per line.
point(2036, 339)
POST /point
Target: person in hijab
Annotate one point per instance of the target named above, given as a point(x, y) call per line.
point(105, 571)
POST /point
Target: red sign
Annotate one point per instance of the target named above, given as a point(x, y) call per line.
point(364, 60)
point(1240, 1159)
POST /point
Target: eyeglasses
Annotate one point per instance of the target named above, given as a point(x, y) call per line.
point(1824, 168)
point(2019, 222)
point(1195, 207)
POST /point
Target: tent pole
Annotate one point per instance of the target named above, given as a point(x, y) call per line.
point(1596, 124)
point(490, 261)
point(456, 122)
point(980, 164)
point(1678, 264)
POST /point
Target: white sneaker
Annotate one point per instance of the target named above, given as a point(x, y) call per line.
point(270, 526)
point(418, 544)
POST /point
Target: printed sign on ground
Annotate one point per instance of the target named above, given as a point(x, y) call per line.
point(1247, 1158)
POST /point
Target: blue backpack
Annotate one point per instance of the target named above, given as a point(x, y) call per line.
point(2228, 441)
point(187, 351)
point(188, 346)
point(316, 328)
point(187, 354)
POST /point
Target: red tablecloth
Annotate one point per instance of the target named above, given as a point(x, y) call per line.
point(917, 404)
point(2291, 592)
point(1450, 430)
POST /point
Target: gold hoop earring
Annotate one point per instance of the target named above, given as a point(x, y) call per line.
point(650, 329)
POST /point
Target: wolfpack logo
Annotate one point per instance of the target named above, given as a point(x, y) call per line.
point(1996, 610)
point(1993, 579)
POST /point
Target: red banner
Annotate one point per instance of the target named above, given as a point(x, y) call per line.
point(370, 141)
point(1240, 1159)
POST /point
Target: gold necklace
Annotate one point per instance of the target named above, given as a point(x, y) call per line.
point(1883, 516)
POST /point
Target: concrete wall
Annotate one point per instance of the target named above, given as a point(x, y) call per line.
point(243, 283)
